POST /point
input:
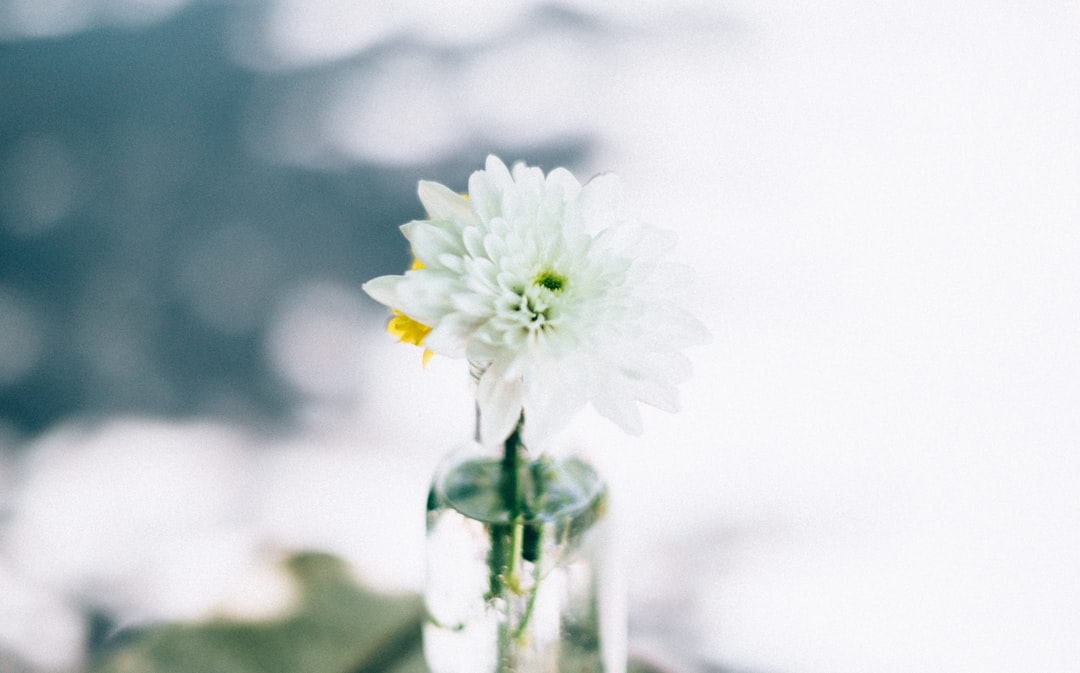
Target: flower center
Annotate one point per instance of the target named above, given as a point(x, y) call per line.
point(550, 280)
point(534, 304)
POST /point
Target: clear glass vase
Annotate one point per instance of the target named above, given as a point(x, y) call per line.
point(520, 574)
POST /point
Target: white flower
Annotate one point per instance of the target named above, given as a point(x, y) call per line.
point(543, 283)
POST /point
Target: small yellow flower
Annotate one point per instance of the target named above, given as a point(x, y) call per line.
point(407, 330)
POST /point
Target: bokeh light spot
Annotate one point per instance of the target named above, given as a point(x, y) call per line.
point(21, 337)
point(316, 341)
point(40, 182)
point(229, 278)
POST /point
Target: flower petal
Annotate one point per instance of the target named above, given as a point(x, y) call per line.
point(500, 401)
point(443, 203)
point(383, 289)
point(450, 336)
point(430, 240)
point(424, 295)
point(615, 407)
point(553, 396)
point(486, 188)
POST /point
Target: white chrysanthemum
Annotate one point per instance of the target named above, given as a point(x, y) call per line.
point(540, 281)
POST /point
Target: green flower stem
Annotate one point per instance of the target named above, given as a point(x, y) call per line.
point(530, 605)
point(513, 582)
point(507, 549)
point(513, 501)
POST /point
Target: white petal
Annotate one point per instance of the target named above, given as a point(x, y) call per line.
point(622, 411)
point(673, 327)
point(452, 263)
point(383, 289)
point(494, 246)
point(498, 171)
point(641, 243)
point(486, 188)
point(654, 392)
point(553, 396)
point(479, 351)
point(549, 214)
point(443, 203)
point(565, 182)
point(529, 184)
point(599, 201)
point(450, 335)
point(500, 403)
point(472, 240)
point(483, 197)
point(472, 304)
point(424, 295)
point(429, 241)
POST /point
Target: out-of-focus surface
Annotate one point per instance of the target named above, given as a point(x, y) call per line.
point(875, 466)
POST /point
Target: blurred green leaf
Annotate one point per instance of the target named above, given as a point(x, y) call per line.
point(337, 627)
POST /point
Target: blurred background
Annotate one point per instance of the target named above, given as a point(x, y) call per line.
point(875, 468)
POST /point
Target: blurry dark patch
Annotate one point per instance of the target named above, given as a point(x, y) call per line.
point(142, 132)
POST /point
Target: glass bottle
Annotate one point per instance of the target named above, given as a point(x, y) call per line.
point(520, 575)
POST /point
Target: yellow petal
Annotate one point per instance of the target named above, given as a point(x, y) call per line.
point(406, 329)
point(409, 331)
